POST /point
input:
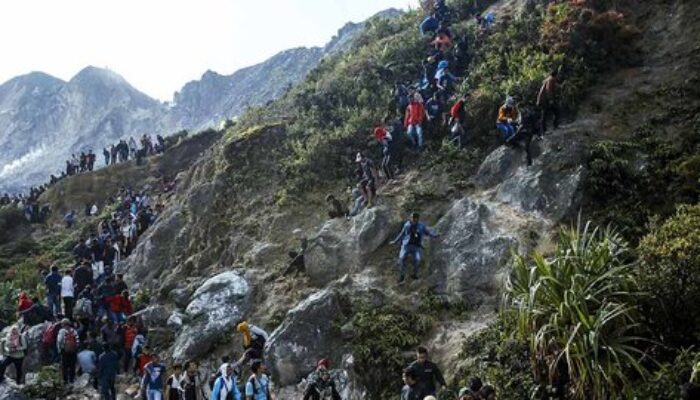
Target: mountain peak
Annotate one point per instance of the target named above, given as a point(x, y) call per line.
point(34, 78)
point(91, 75)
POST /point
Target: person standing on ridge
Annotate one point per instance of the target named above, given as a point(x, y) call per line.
point(547, 101)
point(413, 120)
point(411, 237)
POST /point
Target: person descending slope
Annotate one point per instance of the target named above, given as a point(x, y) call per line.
point(411, 237)
point(385, 139)
point(254, 339)
point(413, 121)
point(427, 373)
point(458, 116)
point(508, 119)
point(322, 387)
point(368, 182)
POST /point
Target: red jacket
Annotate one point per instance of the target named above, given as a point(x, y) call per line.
point(114, 303)
point(415, 114)
point(379, 133)
point(24, 303)
point(130, 333)
point(142, 361)
point(456, 109)
point(126, 305)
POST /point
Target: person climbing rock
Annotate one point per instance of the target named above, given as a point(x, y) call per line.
point(254, 339)
point(321, 388)
point(411, 237)
point(67, 344)
point(413, 120)
point(427, 373)
point(225, 387)
point(508, 119)
point(547, 101)
point(336, 209)
point(368, 182)
point(458, 116)
point(14, 348)
point(258, 385)
point(410, 390)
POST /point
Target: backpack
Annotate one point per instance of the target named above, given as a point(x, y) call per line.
point(253, 382)
point(70, 341)
point(83, 308)
point(414, 235)
point(50, 334)
point(258, 342)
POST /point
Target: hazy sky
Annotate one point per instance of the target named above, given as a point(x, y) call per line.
point(158, 45)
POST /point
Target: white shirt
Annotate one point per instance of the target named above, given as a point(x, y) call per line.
point(93, 210)
point(67, 286)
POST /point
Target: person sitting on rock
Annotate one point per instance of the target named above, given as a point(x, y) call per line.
point(508, 119)
point(411, 237)
point(254, 339)
point(321, 388)
point(336, 209)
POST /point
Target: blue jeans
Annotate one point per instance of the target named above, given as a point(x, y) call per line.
point(54, 303)
point(415, 133)
point(409, 250)
point(507, 130)
point(154, 394)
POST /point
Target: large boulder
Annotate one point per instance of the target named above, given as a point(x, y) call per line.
point(32, 359)
point(155, 251)
point(347, 386)
point(476, 240)
point(155, 316)
point(212, 313)
point(308, 333)
point(341, 247)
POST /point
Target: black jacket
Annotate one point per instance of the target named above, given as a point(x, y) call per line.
point(427, 373)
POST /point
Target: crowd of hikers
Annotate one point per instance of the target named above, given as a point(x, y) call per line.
point(29, 205)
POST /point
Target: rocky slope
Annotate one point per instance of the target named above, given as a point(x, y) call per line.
point(44, 120)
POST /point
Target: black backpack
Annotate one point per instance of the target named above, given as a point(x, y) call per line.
point(414, 235)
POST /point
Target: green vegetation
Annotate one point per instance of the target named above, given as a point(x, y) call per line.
point(670, 269)
point(383, 337)
point(49, 385)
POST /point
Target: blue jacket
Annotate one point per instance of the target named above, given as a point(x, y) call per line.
point(108, 365)
point(429, 24)
point(405, 234)
point(219, 385)
point(53, 283)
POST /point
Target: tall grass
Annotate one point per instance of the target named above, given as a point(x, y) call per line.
point(578, 311)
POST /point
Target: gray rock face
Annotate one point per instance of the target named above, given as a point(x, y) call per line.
point(341, 246)
point(153, 254)
point(32, 358)
point(344, 383)
point(307, 334)
point(476, 240)
point(153, 316)
point(8, 392)
point(212, 313)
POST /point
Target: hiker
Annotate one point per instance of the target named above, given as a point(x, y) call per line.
point(321, 388)
point(129, 333)
point(254, 339)
point(430, 24)
point(119, 284)
point(82, 277)
point(413, 120)
point(444, 80)
point(368, 182)
point(107, 370)
point(192, 385)
point(547, 101)
point(508, 119)
point(67, 343)
point(400, 94)
point(106, 154)
point(258, 385)
point(173, 387)
point(296, 263)
point(153, 382)
point(410, 390)
point(456, 122)
point(411, 237)
point(143, 356)
point(433, 110)
point(358, 201)
point(487, 393)
point(68, 294)
point(69, 219)
point(14, 348)
point(53, 290)
point(442, 42)
point(427, 373)
point(336, 209)
point(528, 128)
point(87, 363)
point(385, 139)
point(24, 303)
point(225, 387)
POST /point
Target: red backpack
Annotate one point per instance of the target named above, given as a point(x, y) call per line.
point(50, 334)
point(70, 341)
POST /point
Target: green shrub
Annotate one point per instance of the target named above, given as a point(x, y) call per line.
point(382, 337)
point(578, 310)
point(670, 269)
point(49, 385)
